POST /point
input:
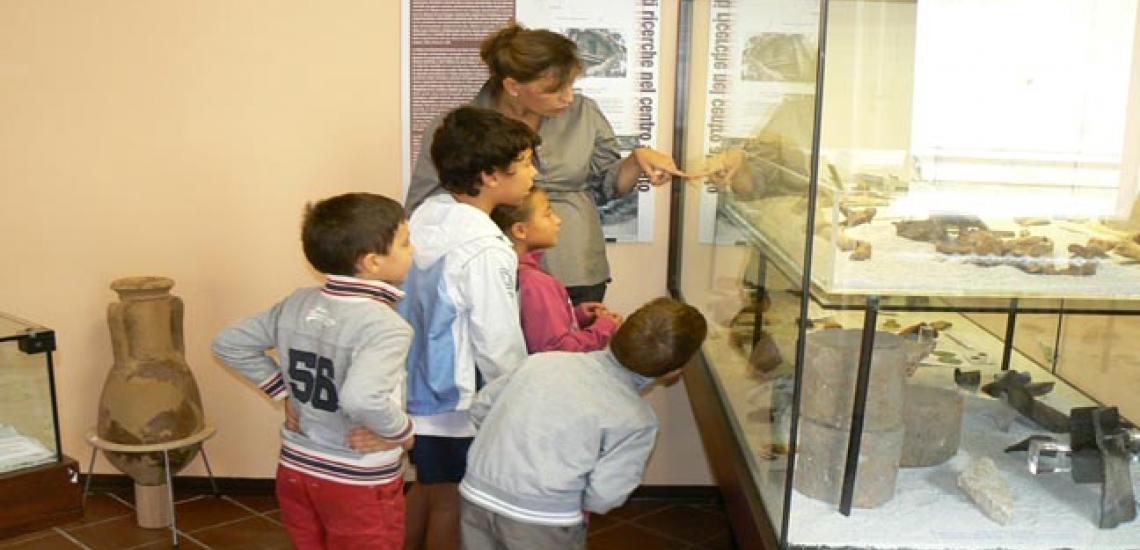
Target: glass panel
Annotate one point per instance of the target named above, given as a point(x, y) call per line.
point(27, 431)
point(749, 131)
point(1099, 355)
point(1001, 160)
point(969, 164)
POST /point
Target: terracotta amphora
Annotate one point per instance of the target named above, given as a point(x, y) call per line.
point(150, 395)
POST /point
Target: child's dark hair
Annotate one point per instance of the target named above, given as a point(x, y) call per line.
point(473, 141)
point(659, 337)
point(505, 215)
point(337, 231)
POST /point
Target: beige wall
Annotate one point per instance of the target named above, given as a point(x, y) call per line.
point(182, 139)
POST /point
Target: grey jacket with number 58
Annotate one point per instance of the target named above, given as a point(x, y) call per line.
point(342, 350)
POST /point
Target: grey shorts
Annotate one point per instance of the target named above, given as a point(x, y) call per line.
point(482, 529)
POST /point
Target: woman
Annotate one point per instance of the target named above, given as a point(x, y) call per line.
point(532, 72)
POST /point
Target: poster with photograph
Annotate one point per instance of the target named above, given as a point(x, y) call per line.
point(619, 42)
point(762, 64)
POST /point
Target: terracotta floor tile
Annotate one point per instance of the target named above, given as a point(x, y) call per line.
point(688, 523)
point(47, 540)
point(184, 543)
point(261, 503)
point(601, 522)
point(21, 539)
point(253, 532)
point(207, 511)
point(274, 516)
point(117, 533)
point(635, 508)
point(723, 541)
point(100, 507)
point(627, 536)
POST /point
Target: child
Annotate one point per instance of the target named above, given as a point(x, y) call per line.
point(342, 348)
point(549, 321)
point(568, 431)
point(462, 304)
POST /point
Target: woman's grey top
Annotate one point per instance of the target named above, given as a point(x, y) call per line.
point(578, 152)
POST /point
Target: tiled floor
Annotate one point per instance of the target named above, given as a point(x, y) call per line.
point(253, 522)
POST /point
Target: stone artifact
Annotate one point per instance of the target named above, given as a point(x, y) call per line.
point(937, 228)
point(820, 459)
point(1031, 254)
point(1095, 248)
point(933, 420)
point(831, 364)
point(1129, 248)
point(984, 484)
point(765, 356)
point(150, 395)
point(933, 329)
point(860, 250)
point(969, 380)
point(1027, 222)
point(829, 373)
point(1102, 446)
point(854, 216)
point(1021, 394)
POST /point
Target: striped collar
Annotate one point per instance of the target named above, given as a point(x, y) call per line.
point(340, 286)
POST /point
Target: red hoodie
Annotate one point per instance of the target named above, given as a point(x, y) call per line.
point(549, 321)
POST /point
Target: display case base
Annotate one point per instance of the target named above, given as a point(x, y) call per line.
point(39, 497)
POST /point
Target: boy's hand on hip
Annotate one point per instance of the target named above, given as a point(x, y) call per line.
point(364, 440)
point(292, 418)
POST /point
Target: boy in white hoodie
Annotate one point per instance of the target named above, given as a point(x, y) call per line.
point(462, 301)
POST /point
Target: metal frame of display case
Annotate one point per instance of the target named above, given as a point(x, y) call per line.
point(747, 512)
point(47, 494)
point(39, 339)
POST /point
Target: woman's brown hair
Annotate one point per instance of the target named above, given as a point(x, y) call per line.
point(527, 54)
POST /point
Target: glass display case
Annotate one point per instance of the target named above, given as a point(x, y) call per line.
point(29, 431)
point(38, 484)
point(915, 240)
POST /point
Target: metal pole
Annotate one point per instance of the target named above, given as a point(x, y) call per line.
point(1010, 329)
point(90, 472)
point(213, 484)
point(855, 441)
point(170, 491)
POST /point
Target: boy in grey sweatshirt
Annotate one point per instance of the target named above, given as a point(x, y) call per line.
point(342, 350)
point(568, 433)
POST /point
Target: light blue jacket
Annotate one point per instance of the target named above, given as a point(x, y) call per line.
point(462, 301)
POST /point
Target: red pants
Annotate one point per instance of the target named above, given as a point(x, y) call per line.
point(322, 514)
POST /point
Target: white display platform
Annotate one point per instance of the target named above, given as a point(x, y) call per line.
point(902, 267)
point(929, 511)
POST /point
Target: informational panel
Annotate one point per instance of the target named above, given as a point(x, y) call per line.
point(619, 42)
point(761, 57)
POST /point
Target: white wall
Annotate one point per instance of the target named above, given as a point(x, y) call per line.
point(183, 139)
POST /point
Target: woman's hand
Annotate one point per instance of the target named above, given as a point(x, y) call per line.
point(729, 169)
point(657, 166)
point(366, 441)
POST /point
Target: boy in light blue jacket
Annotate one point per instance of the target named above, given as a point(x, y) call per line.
point(568, 433)
point(462, 302)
